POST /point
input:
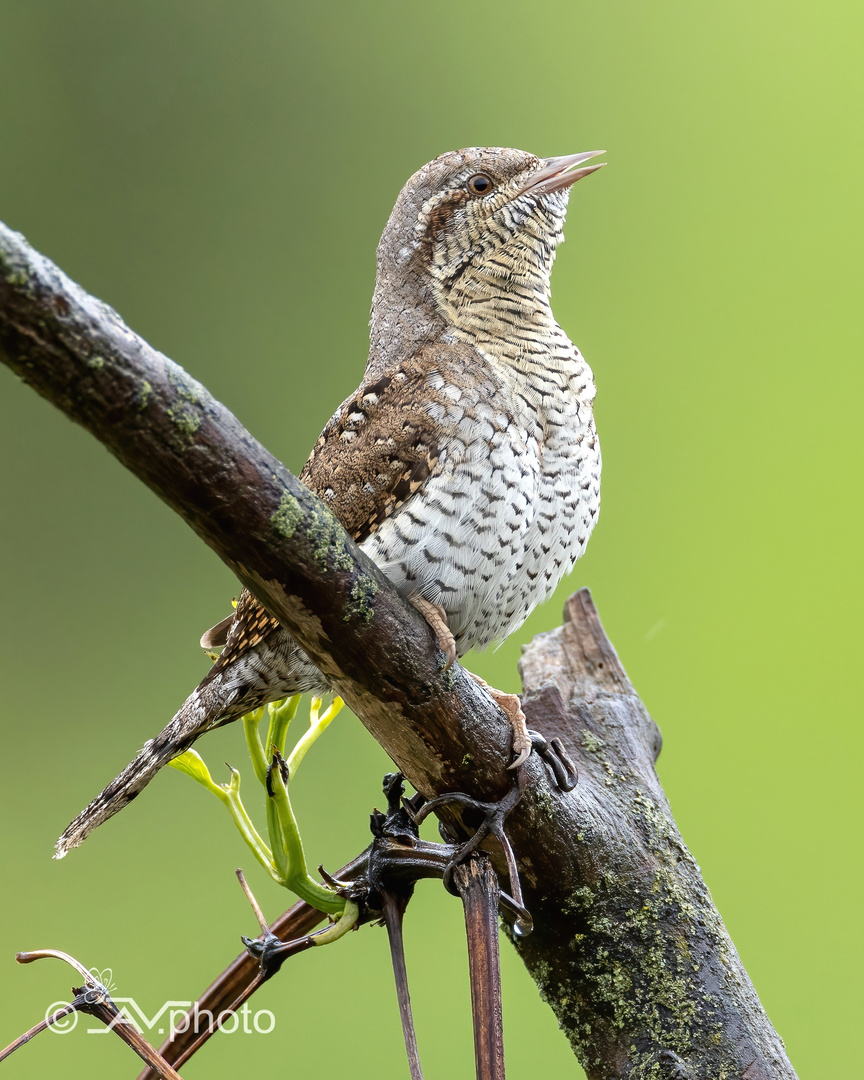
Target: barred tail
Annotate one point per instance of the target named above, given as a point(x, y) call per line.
point(203, 709)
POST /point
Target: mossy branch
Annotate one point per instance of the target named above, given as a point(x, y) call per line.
point(628, 948)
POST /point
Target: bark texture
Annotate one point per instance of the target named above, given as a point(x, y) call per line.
point(628, 948)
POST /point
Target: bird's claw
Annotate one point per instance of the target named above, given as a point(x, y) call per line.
point(511, 706)
point(525, 740)
point(522, 752)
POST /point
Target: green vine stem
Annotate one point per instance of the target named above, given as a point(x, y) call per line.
point(284, 859)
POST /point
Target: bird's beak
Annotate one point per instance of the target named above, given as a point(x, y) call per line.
point(560, 172)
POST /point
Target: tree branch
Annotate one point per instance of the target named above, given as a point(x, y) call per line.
point(628, 948)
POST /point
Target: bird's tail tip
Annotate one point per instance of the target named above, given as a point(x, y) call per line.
point(196, 715)
point(119, 793)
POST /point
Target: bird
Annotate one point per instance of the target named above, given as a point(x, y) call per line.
point(466, 464)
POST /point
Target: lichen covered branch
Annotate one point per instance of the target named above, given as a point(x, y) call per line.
point(628, 948)
point(630, 951)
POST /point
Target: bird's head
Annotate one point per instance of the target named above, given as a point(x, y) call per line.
point(503, 209)
point(473, 222)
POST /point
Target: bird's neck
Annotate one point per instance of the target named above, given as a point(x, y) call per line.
point(509, 320)
point(404, 318)
point(503, 311)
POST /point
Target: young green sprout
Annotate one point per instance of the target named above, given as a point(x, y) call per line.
point(283, 858)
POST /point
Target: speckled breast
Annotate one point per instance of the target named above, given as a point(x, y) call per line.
point(511, 505)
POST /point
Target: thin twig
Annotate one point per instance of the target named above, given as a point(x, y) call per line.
point(36, 1030)
point(239, 981)
point(94, 1000)
point(394, 911)
point(108, 1013)
point(57, 954)
point(253, 903)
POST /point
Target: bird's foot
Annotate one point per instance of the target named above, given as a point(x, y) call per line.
point(525, 740)
point(436, 616)
point(511, 706)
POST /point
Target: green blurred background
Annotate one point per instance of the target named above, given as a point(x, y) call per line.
point(220, 173)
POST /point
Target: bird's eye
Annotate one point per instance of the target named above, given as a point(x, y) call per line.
point(480, 184)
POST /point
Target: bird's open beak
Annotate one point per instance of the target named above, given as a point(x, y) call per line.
point(560, 172)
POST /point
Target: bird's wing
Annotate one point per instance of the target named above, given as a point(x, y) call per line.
point(376, 452)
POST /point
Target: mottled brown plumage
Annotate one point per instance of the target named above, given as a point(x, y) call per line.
point(466, 464)
point(378, 450)
point(373, 455)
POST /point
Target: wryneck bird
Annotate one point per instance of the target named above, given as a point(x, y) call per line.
point(466, 465)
